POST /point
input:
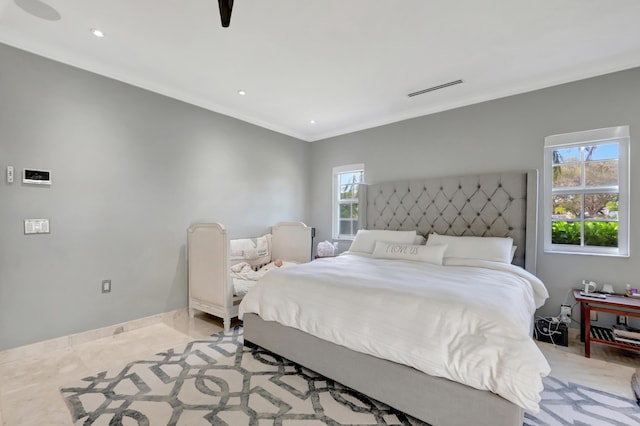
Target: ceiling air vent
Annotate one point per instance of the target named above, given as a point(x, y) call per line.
point(431, 89)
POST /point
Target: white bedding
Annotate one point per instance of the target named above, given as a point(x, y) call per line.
point(411, 313)
point(244, 277)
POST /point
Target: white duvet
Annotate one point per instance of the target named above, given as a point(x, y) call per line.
point(244, 277)
point(468, 321)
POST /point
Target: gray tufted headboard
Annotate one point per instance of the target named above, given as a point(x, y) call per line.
point(491, 205)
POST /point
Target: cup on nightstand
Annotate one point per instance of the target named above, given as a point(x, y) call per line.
point(589, 286)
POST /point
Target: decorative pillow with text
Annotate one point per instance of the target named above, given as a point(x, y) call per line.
point(430, 254)
point(365, 239)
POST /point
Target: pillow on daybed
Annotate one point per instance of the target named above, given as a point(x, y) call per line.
point(365, 239)
point(254, 251)
point(430, 254)
point(495, 249)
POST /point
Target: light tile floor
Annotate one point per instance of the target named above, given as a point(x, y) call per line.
point(29, 388)
point(609, 368)
point(29, 392)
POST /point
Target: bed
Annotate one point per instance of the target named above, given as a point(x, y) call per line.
point(210, 257)
point(498, 206)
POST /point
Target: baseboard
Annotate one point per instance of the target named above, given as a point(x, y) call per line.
point(63, 342)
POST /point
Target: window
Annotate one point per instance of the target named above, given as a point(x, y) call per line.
point(587, 192)
point(345, 200)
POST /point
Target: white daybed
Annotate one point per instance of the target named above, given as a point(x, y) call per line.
point(495, 205)
point(211, 287)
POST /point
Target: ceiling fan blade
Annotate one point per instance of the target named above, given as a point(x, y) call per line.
point(225, 11)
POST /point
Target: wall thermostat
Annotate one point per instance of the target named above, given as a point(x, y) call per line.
point(40, 177)
point(36, 226)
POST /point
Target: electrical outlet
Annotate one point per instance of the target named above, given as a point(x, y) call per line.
point(622, 319)
point(565, 314)
point(594, 315)
point(106, 286)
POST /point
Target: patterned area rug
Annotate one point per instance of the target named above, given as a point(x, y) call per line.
point(218, 381)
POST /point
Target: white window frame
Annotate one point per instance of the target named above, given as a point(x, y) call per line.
point(619, 134)
point(337, 171)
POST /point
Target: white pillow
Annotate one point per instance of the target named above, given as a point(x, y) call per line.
point(419, 240)
point(365, 239)
point(432, 254)
point(254, 251)
point(496, 249)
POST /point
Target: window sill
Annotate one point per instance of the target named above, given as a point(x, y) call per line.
point(582, 253)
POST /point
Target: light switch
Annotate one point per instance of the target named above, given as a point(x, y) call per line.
point(10, 174)
point(36, 226)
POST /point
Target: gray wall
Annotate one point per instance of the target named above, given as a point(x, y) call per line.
point(131, 171)
point(504, 134)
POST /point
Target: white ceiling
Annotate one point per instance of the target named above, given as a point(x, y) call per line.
point(347, 64)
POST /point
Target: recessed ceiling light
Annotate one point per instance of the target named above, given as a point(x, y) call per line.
point(96, 32)
point(241, 92)
point(312, 121)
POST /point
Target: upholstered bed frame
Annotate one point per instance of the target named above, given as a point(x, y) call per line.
point(503, 204)
point(492, 205)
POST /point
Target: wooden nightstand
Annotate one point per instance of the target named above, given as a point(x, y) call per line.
point(619, 305)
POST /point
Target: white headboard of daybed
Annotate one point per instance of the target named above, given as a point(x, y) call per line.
point(489, 205)
point(291, 241)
